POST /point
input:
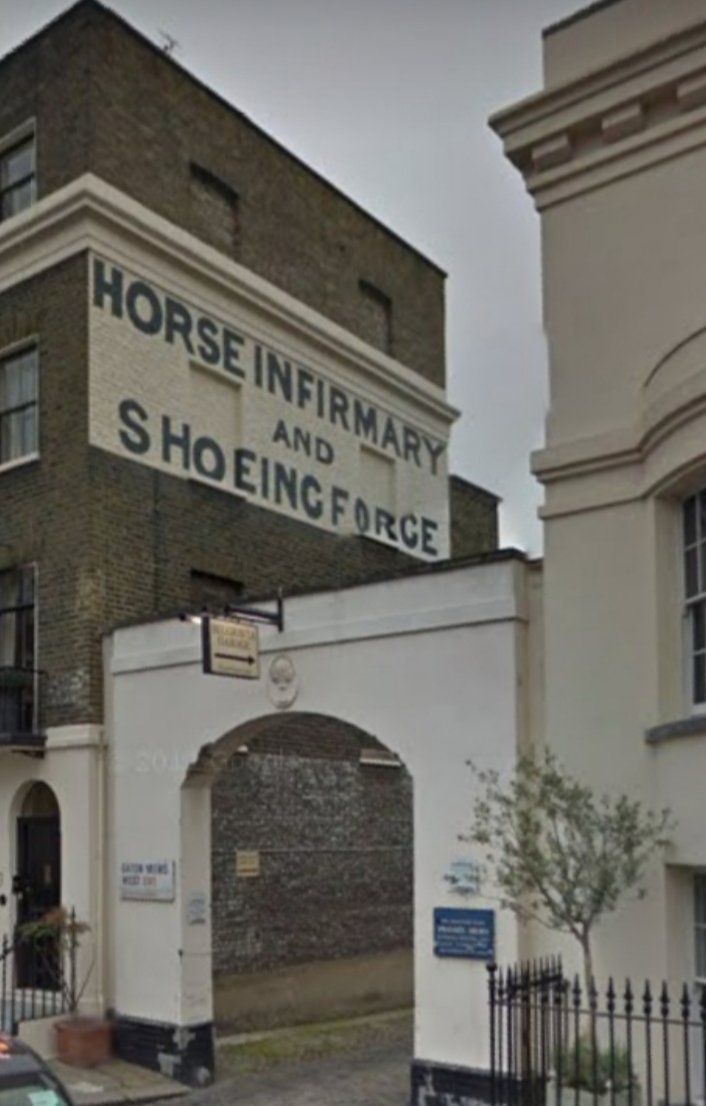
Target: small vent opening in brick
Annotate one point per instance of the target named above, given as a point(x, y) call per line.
point(215, 210)
point(213, 592)
point(377, 316)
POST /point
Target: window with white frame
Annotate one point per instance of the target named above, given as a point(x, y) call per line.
point(18, 405)
point(18, 177)
point(17, 619)
point(17, 651)
point(694, 541)
point(700, 926)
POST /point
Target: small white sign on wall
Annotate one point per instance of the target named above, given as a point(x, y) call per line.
point(230, 648)
point(196, 907)
point(148, 880)
point(464, 876)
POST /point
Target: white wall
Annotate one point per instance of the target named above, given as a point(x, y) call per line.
point(429, 664)
point(71, 767)
point(619, 186)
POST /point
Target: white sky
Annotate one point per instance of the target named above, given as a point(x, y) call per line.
point(389, 100)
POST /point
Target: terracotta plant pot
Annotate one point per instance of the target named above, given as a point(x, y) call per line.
point(84, 1042)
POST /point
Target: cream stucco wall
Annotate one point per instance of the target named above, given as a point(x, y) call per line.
point(73, 768)
point(609, 32)
point(613, 152)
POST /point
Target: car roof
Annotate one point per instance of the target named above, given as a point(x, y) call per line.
point(17, 1058)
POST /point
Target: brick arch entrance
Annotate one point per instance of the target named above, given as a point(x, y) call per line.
point(312, 876)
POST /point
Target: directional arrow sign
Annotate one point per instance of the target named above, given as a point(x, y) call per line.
point(230, 648)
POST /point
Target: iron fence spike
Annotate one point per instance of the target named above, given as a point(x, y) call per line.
point(685, 1003)
point(628, 998)
point(592, 994)
point(664, 1000)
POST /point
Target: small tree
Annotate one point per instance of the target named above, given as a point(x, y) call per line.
point(560, 854)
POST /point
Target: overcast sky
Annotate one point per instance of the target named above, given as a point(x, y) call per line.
point(389, 100)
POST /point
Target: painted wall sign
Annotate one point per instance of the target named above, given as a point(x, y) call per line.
point(230, 648)
point(148, 880)
point(184, 391)
point(466, 933)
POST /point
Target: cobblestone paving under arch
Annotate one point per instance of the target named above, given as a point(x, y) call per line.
point(372, 1068)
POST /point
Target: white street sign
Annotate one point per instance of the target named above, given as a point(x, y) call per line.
point(230, 648)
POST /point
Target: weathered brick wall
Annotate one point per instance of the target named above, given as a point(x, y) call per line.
point(117, 542)
point(107, 101)
point(48, 80)
point(114, 541)
point(335, 843)
point(474, 518)
point(45, 507)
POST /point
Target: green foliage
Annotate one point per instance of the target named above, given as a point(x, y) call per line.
point(559, 853)
point(57, 926)
point(578, 1068)
point(55, 939)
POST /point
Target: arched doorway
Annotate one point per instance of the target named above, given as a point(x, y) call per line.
point(312, 874)
point(36, 883)
point(429, 663)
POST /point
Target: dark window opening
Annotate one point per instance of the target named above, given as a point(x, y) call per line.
point(694, 547)
point(17, 651)
point(213, 592)
point(18, 405)
point(18, 183)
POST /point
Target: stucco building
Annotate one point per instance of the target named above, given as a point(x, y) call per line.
point(613, 153)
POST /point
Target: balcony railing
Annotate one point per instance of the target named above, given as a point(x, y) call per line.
point(19, 698)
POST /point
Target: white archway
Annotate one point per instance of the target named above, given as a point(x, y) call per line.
point(435, 664)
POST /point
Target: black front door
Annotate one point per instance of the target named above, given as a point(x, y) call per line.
point(37, 886)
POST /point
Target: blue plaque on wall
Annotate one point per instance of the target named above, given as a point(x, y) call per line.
point(468, 933)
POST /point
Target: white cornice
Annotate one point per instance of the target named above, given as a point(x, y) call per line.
point(89, 214)
point(74, 737)
point(622, 464)
point(599, 80)
point(611, 121)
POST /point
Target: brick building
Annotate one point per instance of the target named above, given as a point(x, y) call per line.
point(219, 377)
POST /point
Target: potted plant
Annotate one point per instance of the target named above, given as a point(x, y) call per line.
point(81, 1041)
point(597, 1073)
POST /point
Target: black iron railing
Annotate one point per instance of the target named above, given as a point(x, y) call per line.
point(553, 1044)
point(30, 984)
point(38, 970)
point(19, 694)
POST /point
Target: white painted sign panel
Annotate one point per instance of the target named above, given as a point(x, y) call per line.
point(196, 908)
point(148, 880)
point(230, 648)
point(239, 404)
point(464, 876)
